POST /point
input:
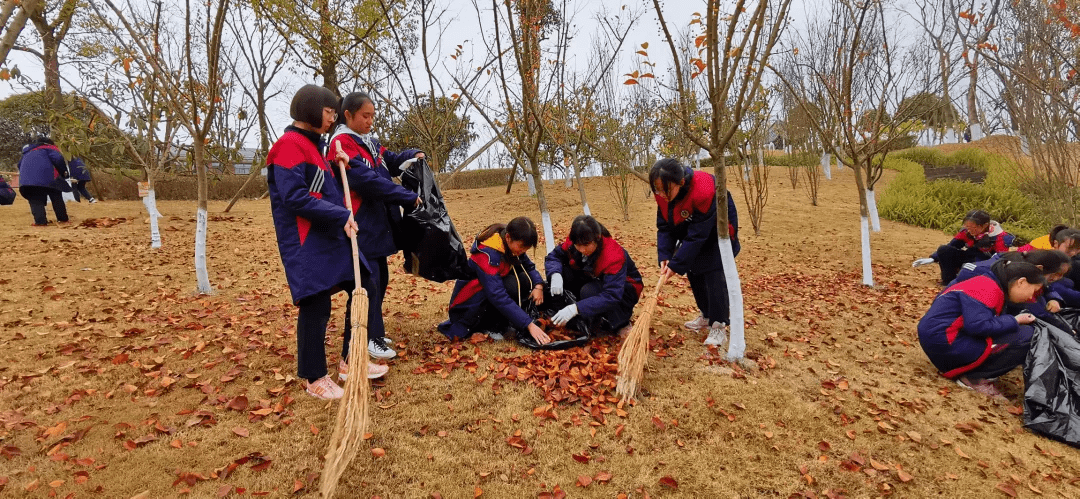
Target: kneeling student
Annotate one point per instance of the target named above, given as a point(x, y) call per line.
point(599, 272)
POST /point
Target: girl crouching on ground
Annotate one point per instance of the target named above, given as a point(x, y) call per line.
point(974, 243)
point(505, 279)
point(599, 272)
point(312, 225)
point(965, 335)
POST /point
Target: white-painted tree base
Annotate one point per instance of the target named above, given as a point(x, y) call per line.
point(532, 185)
point(871, 205)
point(549, 235)
point(150, 202)
point(201, 274)
point(737, 336)
point(826, 165)
point(976, 131)
point(586, 209)
point(867, 270)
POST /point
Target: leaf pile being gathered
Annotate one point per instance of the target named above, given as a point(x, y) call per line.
point(557, 333)
point(94, 223)
point(583, 375)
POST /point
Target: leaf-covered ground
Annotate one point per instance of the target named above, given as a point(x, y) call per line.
point(116, 381)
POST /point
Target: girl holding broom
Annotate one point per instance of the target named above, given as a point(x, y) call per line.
point(596, 269)
point(313, 229)
point(687, 241)
point(376, 202)
point(505, 278)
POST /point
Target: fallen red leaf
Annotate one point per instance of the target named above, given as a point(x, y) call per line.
point(584, 481)
point(669, 482)
point(243, 432)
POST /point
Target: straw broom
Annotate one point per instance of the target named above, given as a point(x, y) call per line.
point(352, 414)
point(634, 352)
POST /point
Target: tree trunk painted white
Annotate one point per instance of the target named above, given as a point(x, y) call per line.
point(826, 162)
point(871, 206)
point(737, 339)
point(580, 187)
point(867, 270)
point(569, 178)
point(976, 132)
point(549, 234)
point(1025, 146)
point(950, 136)
point(532, 185)
point(201, 275)
point(150, 202)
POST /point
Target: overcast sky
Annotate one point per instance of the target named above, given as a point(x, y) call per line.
point(462, 19)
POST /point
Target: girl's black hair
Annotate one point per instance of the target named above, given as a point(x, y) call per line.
point(1062, 233)
point(352, 103)
point(585, 229)
point(1008, 271)
point(519, 229)
point(308, 103)
point(1051, 261)
point(668, 171)
point(980, 217)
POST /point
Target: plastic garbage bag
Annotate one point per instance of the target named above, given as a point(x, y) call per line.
point(578, 327)
point(433, 249)
point(1070, 316)
point(1051, 391)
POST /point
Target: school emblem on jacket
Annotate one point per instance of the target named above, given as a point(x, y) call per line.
point(685, 214)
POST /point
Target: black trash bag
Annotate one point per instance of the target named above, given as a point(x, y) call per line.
point(7, 194)
point(1051, 389)
point(1070, 316)
point(552, 304)
point(433, 249)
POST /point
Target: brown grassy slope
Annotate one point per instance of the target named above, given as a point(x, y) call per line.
point(102, 333)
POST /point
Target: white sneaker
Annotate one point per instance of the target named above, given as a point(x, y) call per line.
point(378, 349)
point(92, 200)
point(717, 336)
point(697, 324)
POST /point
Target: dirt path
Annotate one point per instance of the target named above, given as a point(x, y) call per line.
point(115, 380)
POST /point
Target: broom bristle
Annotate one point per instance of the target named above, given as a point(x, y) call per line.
point(352, 415)
point(634, 353)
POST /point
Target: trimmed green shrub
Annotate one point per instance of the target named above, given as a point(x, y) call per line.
point(474, 179)
point(941, 204)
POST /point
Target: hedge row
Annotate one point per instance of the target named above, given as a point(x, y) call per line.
point(117, 184)
point(941, 204)
point(474, 179)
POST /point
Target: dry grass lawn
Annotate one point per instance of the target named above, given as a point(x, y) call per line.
point(115, 380)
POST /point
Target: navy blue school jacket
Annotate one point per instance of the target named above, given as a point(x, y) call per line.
point(958, 331)
point(490, 263)
point(309, 216)
point(1038, 304)
point(686, 228)
point(376, 198)
point(42, 165)
point(610, 264)
point(78, 170)
point(1066, 289)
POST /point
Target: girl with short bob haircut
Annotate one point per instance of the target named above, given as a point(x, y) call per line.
point(966, 335)
point(599, 272)
point(505, 279)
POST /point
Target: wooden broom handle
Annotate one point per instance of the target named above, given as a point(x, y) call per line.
point(348, 204)
point(660, 283)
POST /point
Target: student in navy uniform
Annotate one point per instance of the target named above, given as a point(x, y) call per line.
point(312, 225)
point(505, 279)
point(81, 175)
point(687, 240)
point(599, 272)
point(967, 337)
point(42, 171)
point(1048, 301)
point(377, 203)
point(974, 243)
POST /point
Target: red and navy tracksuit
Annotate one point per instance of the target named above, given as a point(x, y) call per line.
point(376, 202)
point(42, 171)
point(1037, 305)
point(967, 249)
point(496, 296)
point(965, 334)
point(81, 175)
point(686, 236)
point(309, 211)
point(606, 283)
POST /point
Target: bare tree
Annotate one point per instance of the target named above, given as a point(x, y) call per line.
point(735, 50)
point(192, 92)
point(975, 21)
point(937, 18)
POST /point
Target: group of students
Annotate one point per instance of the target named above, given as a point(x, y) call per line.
point(44, 177)
point(313, 227)
point(980, 326)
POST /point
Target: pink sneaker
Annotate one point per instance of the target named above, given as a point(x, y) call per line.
point(374, 370)
point(983, 386)
point(325, 388)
